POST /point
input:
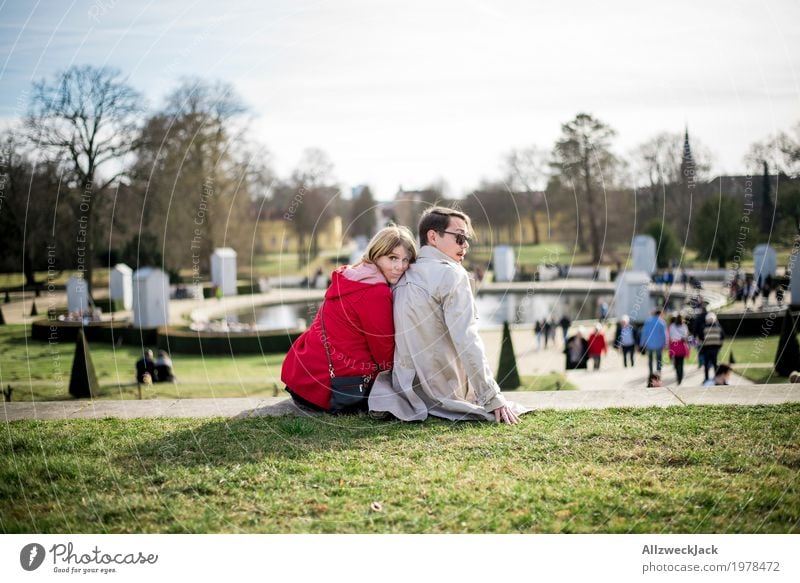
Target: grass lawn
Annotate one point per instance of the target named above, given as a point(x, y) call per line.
point(40, 371)
point(745, 350)
point(719, 469)
point(533, 255)
point(553, 381)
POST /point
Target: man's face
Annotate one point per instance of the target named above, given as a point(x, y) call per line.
point(446, 242)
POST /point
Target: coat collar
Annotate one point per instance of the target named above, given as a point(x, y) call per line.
point(432, 253)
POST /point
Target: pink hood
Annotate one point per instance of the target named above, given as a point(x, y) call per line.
point(364, 273)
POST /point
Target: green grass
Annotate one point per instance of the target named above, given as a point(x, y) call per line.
point(533, 255)
point(761, 376)
point(745, 350)
point(40, 371)
point(719, 469)
point(553, 381)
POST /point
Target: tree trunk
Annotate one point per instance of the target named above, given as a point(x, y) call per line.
point(534, 216)
point(30, 275)
point(593, 231)
point(88, 258)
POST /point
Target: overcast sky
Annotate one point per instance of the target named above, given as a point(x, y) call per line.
point(408, 92)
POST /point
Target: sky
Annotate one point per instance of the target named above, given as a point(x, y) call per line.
point(407, 93)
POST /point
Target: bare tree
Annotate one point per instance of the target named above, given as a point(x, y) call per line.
point(585, 163)
point(526, 171)
point(668, 171)
point(34, 208)
point(197, 174)
point(87, 116)
point(313, 203)
point(780, 151)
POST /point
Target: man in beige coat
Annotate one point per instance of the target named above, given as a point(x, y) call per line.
point(440, 365)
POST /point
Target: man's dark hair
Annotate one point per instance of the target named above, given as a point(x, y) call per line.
point(437, 218)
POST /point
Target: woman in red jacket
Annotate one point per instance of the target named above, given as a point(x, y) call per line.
point(358, 322)
point(597, 345)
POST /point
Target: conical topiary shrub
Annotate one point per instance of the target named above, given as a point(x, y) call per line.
point(507, 374)
point(787, 358)
point(34, 311)
point(2, 318)
point(83, 380)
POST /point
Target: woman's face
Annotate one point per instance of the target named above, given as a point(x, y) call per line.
point(394, 264)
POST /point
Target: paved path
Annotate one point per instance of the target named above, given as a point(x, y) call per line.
point(611, 376)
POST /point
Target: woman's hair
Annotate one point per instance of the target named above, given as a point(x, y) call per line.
point(438, 219)
point(677, 319)
point(387, 239)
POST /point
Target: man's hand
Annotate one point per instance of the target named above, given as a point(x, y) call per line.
point(505, 415)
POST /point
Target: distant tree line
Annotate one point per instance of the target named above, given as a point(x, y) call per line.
point(92, 176)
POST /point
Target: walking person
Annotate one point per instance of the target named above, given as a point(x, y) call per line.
point(597, 345)
point(626, 338)
point(547, 331)
point(654, 339)
point(713, 336)
point(537, 328)
point(565, 323)
point(698, 326)
point(678, 335)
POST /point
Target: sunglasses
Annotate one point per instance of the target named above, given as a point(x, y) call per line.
point(460, 237)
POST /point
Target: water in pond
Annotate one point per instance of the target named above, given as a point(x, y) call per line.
point(493, 309)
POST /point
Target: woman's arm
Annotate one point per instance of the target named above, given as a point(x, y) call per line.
point(377, 325)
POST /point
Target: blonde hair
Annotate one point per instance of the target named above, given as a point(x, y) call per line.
point(385, 240)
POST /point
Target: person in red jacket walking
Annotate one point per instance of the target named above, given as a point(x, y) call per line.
point(359, 328)
point(597, 345)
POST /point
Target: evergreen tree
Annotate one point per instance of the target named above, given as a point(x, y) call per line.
point(507, 373)
point(83, 380)
point(667, 246)
point(688, 184)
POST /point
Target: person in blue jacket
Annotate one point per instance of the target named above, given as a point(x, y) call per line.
point(653, 339)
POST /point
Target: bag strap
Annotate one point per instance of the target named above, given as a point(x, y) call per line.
point(325, 339)
point(367, 377)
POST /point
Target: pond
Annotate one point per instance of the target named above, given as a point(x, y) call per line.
point(493, 309)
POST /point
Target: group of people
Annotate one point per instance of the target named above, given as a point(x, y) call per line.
point(149, 371)
point(581, 349)
point(677, 338)
point(400, 328)
point(544, 329)
point(746, 288)
point(654, 338)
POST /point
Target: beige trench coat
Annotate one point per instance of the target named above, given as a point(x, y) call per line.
point(440, 365)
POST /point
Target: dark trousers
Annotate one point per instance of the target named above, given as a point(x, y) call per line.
point(678, 362)
point(626, 351)
point(303, 403)
point(710, 354)
point(658, 357)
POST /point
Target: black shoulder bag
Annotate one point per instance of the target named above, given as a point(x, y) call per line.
point(348, 394)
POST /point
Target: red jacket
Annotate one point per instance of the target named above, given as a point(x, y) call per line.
point(360, 333)
point(597, 344)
